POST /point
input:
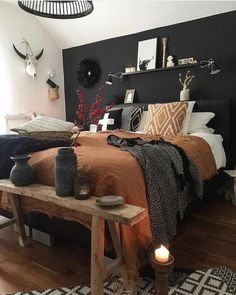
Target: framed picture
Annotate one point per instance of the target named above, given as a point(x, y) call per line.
point(147, 51)
point(129, 95)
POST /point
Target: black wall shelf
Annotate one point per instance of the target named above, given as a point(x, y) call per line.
point(162, 69)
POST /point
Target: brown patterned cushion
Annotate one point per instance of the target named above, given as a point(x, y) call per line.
point(166, 119)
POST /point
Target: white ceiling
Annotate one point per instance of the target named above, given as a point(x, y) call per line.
point(112, 18)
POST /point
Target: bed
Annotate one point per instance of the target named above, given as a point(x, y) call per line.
point(113, 171)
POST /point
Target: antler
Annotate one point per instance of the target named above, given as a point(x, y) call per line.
point(39, 55)
point(19, 53)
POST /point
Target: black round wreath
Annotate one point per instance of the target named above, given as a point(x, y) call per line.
point(89, 72)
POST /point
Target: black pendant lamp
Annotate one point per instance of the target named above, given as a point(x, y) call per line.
point(57, 9)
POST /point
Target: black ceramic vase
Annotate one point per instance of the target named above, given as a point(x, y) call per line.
point(65, 172)
point(22, 173)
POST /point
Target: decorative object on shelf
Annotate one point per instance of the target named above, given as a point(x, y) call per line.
point(30, 58)
point(110, 201)
point(170, 61)
point(57, 9)
point(89, 72)
point(81, 185)
point(187, 60)
point(22, 173)
point(162, 272)
point(65, 171)
point(185, 92)
point(209, 64)
point(147, 51)
point(164, 46)
point(110, 77)
point(129, 96)
point(85, 115)
point(130, 69)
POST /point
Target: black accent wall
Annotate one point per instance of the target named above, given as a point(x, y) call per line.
point(211, 37)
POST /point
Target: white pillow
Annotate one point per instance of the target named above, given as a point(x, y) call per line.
point(43, 123)
point(198, 122)
point(187, 118)
point(143, 121)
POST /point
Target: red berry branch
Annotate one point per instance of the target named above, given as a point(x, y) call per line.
point(93, 115)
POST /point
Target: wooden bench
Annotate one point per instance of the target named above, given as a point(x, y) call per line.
point(125, 214)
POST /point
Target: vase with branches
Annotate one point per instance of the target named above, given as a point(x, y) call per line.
point(185, 92)
point(86, 115)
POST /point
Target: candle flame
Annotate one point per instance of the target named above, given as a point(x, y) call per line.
point(163, 248)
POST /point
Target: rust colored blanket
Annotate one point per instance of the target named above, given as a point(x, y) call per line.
point(113, 171)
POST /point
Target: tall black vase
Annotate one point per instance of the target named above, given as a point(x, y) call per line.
point(65, 172)
point(22, 173)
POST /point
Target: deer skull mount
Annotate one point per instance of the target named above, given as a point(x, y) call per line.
point(30, 58)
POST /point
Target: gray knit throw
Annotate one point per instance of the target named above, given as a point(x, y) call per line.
point(169, 188)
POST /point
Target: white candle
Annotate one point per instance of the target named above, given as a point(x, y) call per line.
point(162, 254)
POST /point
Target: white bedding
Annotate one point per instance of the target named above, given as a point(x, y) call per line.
point(215, 142)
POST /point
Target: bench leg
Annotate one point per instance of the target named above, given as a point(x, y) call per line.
point(17, 212)
point(117, 264)
point(97, 256)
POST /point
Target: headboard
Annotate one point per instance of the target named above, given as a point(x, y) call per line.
point(221, 122)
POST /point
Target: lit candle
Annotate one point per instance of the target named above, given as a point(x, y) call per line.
point(162, 254)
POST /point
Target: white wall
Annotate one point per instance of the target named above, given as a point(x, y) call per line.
point(113, 18)
point(20, 93)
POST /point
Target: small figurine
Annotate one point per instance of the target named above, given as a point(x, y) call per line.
point(170, 62)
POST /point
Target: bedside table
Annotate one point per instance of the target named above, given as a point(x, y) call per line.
point(230, 190)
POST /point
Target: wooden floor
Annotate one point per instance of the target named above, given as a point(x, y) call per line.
point(205, 240)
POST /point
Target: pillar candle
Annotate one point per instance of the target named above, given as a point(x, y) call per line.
point(162, 254)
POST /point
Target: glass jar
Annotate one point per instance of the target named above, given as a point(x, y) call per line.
point(81, 185)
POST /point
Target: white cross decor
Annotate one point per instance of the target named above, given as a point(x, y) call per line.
point(106, 121)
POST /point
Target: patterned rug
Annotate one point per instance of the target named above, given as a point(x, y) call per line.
point(218, 281)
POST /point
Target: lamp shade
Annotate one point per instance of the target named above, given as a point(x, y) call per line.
point(57, 9)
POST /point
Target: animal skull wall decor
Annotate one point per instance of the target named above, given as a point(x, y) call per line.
point(30, 58)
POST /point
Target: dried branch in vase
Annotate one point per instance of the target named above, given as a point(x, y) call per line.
point(187, 80)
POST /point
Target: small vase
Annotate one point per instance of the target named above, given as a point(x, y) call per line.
point(65, 172)
point(184, 94)
point(22, 173)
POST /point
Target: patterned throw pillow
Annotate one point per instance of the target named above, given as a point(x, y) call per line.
point(131, 117)
point(166, 119)
point(111, 120)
